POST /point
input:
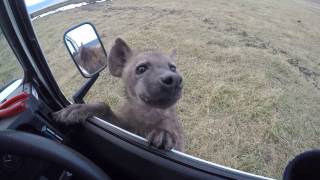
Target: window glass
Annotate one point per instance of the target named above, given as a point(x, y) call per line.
point(251, 69)
point(10, 68)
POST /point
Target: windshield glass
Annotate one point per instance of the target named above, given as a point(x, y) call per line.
point(10, 68)
point(251, 69)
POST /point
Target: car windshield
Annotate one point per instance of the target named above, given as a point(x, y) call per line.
point(251, 69)
point(10, 68)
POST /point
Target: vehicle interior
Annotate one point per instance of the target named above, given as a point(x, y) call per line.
point(33, 146)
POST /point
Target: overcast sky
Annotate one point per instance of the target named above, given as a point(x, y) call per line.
point(35, 5)
point(33, 2)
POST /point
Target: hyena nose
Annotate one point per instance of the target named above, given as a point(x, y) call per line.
point(171, 80)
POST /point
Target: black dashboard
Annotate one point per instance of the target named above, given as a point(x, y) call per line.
point(34, 119)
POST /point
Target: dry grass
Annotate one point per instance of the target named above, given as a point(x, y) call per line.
point(9, 66)
point(251, 71)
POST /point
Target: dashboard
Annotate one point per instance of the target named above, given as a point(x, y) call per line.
point(34, 119)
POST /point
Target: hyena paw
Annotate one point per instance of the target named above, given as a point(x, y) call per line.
point(73, 114)
point(162, 139)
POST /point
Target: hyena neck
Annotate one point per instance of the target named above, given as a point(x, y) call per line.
point(140, 111)
point(145, 111)
point(146, 107)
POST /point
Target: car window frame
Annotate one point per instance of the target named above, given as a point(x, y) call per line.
point(172, 155)
point(17, 27)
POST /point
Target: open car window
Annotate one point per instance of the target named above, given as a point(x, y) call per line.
point(10, 69)
point(251, 70)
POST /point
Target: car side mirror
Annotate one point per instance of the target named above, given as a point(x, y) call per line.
point(86, 49)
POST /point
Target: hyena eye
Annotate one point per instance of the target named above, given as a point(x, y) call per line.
point(172, 68)
point(141, 69)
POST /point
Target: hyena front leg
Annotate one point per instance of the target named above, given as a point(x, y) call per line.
point(78, 113)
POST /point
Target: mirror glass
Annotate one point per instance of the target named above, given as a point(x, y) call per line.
point(86, 49)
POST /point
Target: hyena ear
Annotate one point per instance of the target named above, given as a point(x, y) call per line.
point(118, 56)
point(173, 54)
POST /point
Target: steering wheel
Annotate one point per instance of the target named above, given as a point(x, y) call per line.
point(26, 144)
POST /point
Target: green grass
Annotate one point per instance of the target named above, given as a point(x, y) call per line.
point(251, 71)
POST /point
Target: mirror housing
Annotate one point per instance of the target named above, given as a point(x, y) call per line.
point(86, 49)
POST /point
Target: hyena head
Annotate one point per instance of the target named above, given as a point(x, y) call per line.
point(150, 77)
point(90, 58)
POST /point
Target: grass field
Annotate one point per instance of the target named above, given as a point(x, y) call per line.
point(251, 71)
point(9, 66)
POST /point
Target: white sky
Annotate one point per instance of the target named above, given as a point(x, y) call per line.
point(33, 2)
point(83, 34)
